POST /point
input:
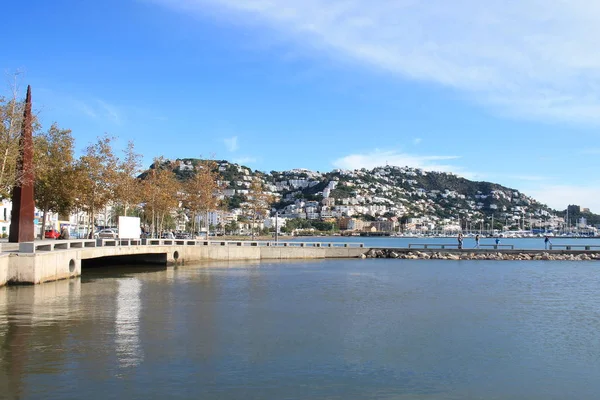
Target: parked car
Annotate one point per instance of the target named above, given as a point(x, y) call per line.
point(51, 234)
point(107, 234)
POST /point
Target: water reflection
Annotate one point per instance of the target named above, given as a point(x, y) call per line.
point(127, 322)
point(339, 329)
point(29, 315)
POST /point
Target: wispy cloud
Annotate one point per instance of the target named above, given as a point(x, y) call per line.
point(109, 111)
point(244, 160)
point(591, 151)
point(529, 178)
point(417, 141)
point(231, 143)
point(378, 158)
point(531, 58)
point(560, 196)
point(84, 108)
point(496, 177)
point(97, 109)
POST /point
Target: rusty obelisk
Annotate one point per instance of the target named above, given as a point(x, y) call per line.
point(21, 223)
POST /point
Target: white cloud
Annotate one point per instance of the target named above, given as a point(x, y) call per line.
point(529, 178)
point(244, 160)
point(560, 196)
point(110, 111)
point(378, 158)
point(86, 109)
point(591, 151)
point(530, 58)
point(417, 141)
point(498, 177)
point(231, 143)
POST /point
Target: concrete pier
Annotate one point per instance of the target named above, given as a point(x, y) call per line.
point(50, 260)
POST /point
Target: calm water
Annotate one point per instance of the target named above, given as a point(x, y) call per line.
point(519, 243)
point(342, 329)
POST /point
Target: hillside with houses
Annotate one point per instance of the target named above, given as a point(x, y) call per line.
point(383, 199)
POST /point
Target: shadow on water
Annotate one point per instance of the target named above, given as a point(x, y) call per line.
point(91, 274)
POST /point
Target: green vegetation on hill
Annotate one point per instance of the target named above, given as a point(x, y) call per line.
point(415, 192)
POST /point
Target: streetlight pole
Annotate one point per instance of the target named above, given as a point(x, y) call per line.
point(276, 227)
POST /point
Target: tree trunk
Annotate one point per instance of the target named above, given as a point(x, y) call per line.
point(45, 214)
point(153, 226)
point(91, 224)
point(207, 226)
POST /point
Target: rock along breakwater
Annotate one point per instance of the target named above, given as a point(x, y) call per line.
point(512, 255)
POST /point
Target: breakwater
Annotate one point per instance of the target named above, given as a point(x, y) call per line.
point(502, 255)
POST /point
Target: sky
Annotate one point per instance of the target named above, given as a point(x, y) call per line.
point(501, 91)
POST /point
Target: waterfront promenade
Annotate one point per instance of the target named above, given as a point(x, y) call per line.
point(50, 260)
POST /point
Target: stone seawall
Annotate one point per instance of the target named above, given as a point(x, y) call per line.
point(56, 264)
point(505, 255)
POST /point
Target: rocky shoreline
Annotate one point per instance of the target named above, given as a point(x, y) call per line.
point(466, 255)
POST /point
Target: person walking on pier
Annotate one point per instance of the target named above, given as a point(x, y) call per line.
point(546, 242)
point(477, 241)
point(460, 241)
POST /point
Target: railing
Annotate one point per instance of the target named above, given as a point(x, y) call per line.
point(190, 242)
point(51, 245)
point(573, 246)
point(455, 246)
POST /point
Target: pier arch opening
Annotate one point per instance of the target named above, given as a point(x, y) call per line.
point(153, 259)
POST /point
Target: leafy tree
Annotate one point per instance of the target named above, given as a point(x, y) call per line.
point(128, 187)
point(200, 192)
point(11, 121)
point(323, 226)
point(235, 201)
point(258, 203)
point(231, 228)
point(55, 168)
point(96, 175)
point(161, 195)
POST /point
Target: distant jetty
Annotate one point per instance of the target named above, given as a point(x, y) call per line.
point(494, 255)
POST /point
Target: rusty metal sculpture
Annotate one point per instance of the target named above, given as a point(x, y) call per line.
point(21, 224)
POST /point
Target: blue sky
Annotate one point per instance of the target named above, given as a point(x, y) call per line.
point(497, 91)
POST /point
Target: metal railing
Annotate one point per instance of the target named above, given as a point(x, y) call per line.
point(455, 246)
point(573, 247)
point(74, 244)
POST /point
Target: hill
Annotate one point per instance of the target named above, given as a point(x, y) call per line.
point(383, 193)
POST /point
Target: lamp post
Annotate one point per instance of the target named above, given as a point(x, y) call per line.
point(276, 226)
point(76, 217)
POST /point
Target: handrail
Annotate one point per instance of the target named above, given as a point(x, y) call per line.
point(71, 244)
point(571, 246)
point(455, 245)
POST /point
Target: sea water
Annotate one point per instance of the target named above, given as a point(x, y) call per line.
point(334, 329)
